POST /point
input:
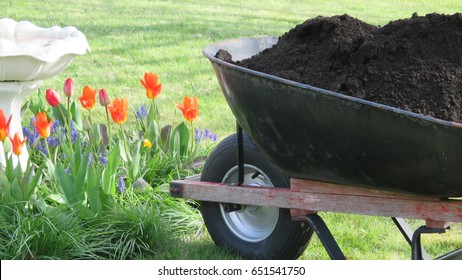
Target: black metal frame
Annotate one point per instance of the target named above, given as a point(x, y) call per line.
point(240, 154)
point(414, 239)
point(324, 234)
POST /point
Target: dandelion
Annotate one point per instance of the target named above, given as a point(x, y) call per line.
point(147, 143)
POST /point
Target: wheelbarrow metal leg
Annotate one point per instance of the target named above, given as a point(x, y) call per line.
point(416, 245)
point(325, 236)
point(240, 154)
point(453, 255)
point(408, 233)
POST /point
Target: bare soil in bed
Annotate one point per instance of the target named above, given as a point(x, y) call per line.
point(413, 64)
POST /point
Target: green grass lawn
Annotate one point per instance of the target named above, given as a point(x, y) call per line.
point(128, 38)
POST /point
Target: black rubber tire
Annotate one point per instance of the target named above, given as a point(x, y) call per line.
point(287, 240)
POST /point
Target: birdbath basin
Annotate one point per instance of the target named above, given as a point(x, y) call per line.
point(28, 55)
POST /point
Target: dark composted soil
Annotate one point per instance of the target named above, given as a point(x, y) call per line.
point(413, 64)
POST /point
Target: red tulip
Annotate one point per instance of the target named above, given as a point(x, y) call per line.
point(52, 97)
point(4, 126)
point(69, 87)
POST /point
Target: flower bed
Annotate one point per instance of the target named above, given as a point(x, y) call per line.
point(86, 165)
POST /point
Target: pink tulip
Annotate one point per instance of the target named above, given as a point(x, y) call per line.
point(69, 87)
point(103, 98)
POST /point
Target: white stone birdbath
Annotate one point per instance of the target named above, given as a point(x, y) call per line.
point(28, 55)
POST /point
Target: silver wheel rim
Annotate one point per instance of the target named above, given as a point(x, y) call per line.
point(252, 223)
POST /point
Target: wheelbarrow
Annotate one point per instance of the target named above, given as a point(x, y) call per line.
point(300, 150)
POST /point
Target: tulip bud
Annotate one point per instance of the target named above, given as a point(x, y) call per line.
point(69, 87)
point(103, 98)
point(52, 97)
point(7, 145)
point(86, 124)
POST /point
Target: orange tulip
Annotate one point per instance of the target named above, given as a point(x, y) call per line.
point(119, 110)
point(88, 98)
point(17, 144)
point(189, 108)
point(4, 126)
point(42, 125)
point(150, 84)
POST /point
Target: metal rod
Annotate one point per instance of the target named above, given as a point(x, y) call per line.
point(240, 154)
point(416, 245)
point(407, 233)
point(325, 236)
point(453, 255)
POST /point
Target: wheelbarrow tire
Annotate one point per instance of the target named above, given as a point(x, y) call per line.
point(253, 232)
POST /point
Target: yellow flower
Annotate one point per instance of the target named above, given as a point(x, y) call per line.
point(147, 143)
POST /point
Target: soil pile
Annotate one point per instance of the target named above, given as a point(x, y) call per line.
point(413, 64)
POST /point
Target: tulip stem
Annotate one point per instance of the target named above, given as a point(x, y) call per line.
point(48, 150)
point(192, 138)
point(156, 110)
point(109, 136)
point(90, 129)
point(69, 118)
